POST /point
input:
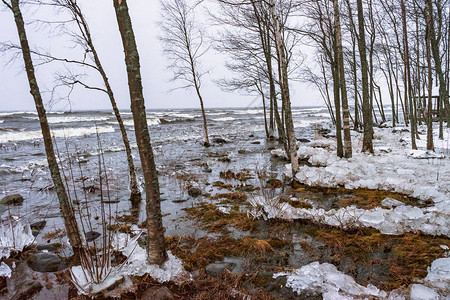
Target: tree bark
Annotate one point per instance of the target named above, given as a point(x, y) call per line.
point(342, 83)
point(70, 222)
point(430, 142)
point(367, 110)
point(408, 87)
point(444, 107)
point(285, 97)
point(156, 246)
point(135, 192)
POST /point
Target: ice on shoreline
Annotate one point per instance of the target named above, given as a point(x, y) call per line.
point(135, 265)
point(14, 236)
point(394, 167)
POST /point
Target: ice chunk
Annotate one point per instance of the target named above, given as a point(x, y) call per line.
point(372, 218)
point(421, 292)
point(325, 279)
point(390, 202)
point(14, 236)
point(439, 274)
point(5, 270)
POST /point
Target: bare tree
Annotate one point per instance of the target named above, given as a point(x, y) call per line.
point(156, 245)
point(285, 94)
point(182, 39)
point(83, 38)
point(366, 108)
point(73, 231)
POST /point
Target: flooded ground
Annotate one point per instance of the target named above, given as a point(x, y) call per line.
point(206, 213)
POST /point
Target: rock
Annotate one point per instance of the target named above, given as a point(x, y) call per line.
point(391, 203)
point(215, 269)
point(14, 199)
point(48, 247)
point(303, 140)
point(242, 151)
point(206, 169)
point(194, 191)
point(256, 142)
point(247, 188)
point(157, 293)
point(219, 141)
point(46, 262)
point(38, 225)
point(92, 236)
point(180, 166)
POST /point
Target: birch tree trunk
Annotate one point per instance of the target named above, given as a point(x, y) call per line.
point(342, 83)
point(156, 246)
point(367, 110)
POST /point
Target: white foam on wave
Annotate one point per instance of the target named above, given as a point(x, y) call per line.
point(150, 121)
point(1, 121)
point(306, 123)
point(224, 119)
point(57, 120)
point(180, 115)
point(3, 114)
point(67, 132)
point(248, 111)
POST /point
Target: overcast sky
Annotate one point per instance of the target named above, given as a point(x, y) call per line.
point(14, 90)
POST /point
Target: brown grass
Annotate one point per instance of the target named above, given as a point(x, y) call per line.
point(216, 220)
point(407, 256)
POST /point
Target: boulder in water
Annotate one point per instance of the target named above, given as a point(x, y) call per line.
point(14, 199)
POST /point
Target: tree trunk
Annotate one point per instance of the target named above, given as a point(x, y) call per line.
point(156, 246)
point(367, 110)
point(443, 93)
point(430, 142)
point(70, 222)
point(342, 83)
point(285, 97)
point(135, 192)
point(408, 87)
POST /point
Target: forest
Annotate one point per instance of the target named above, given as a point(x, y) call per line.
point(349, 199)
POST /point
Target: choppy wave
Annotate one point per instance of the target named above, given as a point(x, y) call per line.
point(224, 119)
point(1, 121)
point(15, 113)
point(67, 132)
point(248, 111)
point(216, 113)
point(150, 121)
point(57, 120)
point(306, 123)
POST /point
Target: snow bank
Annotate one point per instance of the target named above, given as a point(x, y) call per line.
point(14, 237)
point(326, 280)
point(135, 265)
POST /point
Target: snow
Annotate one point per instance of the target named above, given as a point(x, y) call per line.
point(325, 279)
point(135, 265)
point(14, 236)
